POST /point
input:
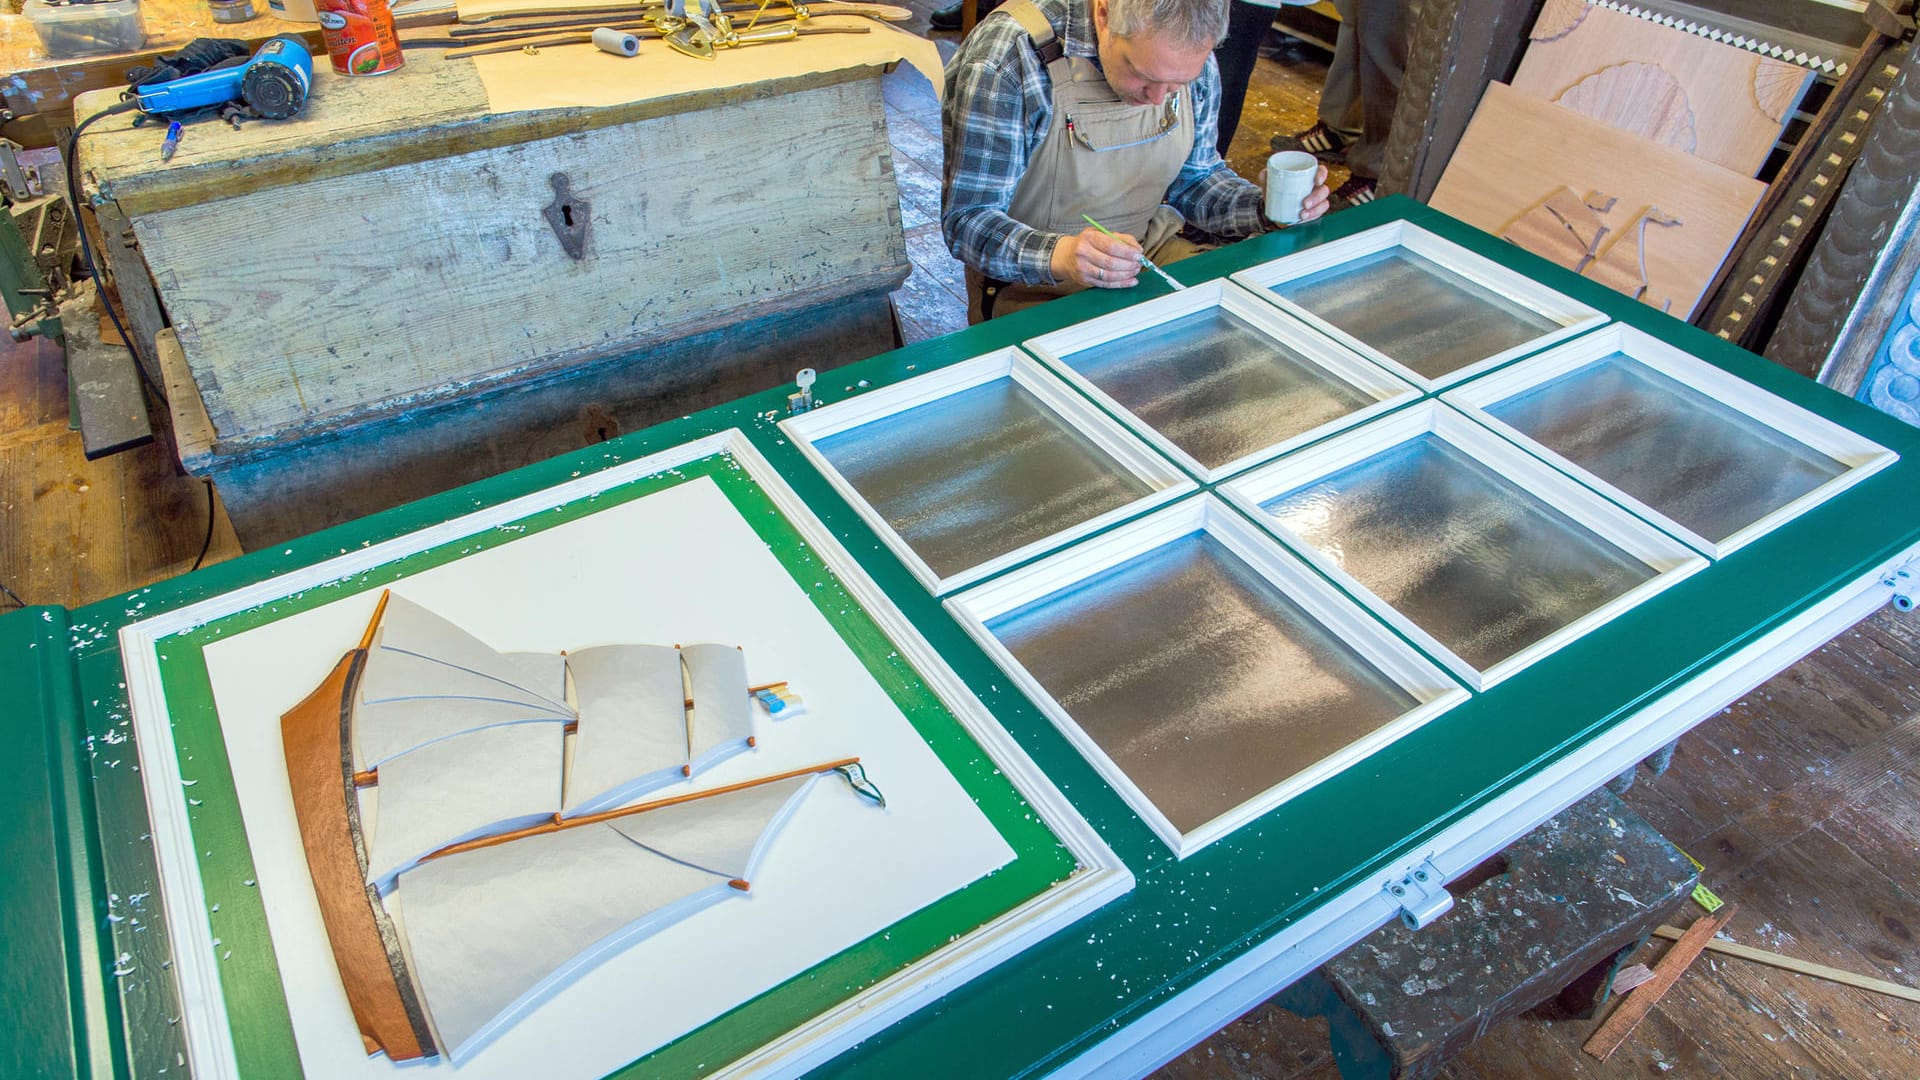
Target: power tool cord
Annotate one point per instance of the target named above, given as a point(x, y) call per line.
point(86, 247)
point(11, 595)
point(206, 542)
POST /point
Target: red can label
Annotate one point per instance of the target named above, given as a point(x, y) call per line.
point(359, 36)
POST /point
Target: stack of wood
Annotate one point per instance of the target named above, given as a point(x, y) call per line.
point(1625, 150)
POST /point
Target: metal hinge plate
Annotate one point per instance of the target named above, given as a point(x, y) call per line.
point(1422, 895)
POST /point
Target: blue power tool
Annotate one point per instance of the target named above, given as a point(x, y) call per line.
point(275, 82)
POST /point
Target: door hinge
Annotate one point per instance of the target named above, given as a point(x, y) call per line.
point(1422, 895)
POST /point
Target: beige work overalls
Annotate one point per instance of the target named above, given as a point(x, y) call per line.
point(1101, 157)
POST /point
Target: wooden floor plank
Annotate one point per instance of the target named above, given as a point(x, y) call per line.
point(919, 194)
point(19, 523)
point(1855, 780)
point(1838, 909)
point(165, 513)
point(1707, 783)
point(50, 399)
point(929, 253)
point(19, 387)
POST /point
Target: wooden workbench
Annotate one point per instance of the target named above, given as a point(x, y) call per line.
point(40, 89)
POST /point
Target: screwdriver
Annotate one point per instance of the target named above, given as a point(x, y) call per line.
point(1144, 261)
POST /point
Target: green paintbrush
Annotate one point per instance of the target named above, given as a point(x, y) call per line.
point(1144, 261)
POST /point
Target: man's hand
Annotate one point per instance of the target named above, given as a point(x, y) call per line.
point(1317, 200)
point(1098, 261)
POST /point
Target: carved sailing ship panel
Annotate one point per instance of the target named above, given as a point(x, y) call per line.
point(473, 787)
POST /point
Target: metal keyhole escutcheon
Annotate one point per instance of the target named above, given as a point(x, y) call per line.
point(568, 215)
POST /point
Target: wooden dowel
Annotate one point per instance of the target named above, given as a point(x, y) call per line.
point(559, 823)
point(373, 624)
point(1802, 967)
point(1635, 1006)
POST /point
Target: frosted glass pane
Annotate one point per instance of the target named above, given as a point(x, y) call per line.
point(1216, 387)
point(1482, 565)
point(1201, 681)
point(1416, 311)
point(1709, 467)
point(979, 473)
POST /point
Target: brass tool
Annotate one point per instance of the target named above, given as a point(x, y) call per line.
point(802, 10)
point(689, 39)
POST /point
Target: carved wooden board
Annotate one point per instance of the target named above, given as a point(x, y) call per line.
point(1736, 101)
point(1518, 151)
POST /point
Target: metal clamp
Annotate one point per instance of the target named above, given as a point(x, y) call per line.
point(1422, 895)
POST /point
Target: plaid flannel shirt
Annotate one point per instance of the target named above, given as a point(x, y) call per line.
point(999, 105)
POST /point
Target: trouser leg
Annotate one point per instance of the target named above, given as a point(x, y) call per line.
point(1340, 98)
point(1246, 28)
point(1380, 45)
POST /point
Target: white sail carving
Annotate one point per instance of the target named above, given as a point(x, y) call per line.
point(595, 890)
point(489, 803)
point(633, 724)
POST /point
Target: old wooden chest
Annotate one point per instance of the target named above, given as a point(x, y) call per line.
point(397, 244)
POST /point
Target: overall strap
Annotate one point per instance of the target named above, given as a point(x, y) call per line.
point(1045, 41)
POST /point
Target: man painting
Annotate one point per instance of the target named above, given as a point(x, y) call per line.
point(1105, 108)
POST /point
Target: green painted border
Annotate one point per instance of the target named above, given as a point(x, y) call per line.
point(53, 908)
point(1183, 920)
point(252, 984)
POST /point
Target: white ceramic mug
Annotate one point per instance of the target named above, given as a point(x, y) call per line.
point(1290, 179)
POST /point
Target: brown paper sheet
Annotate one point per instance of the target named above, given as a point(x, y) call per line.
point(572, 76)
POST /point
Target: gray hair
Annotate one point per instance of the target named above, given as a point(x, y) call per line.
point(1190, 22)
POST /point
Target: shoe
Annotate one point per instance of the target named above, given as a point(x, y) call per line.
point(1319, 140)
point(948, 18)
point(1357, 190)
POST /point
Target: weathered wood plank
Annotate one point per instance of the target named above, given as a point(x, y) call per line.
point(62, 530)
point(431, 109)
point(131, 282)
point(276, 494)
point(1856, 780)
point(369, 300)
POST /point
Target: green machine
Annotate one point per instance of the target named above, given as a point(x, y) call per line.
point(37, 245)
point(40, 249)
point(1218, 711)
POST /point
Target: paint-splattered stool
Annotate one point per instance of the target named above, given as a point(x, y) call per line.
point(1552, 916)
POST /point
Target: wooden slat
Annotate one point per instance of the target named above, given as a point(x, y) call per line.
point(1634, 1007)
point(1518, 150)
point(429, 110)
point(1722, 84)
point(1801, 967)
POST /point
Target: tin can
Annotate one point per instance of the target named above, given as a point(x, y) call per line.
point(359, 36)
